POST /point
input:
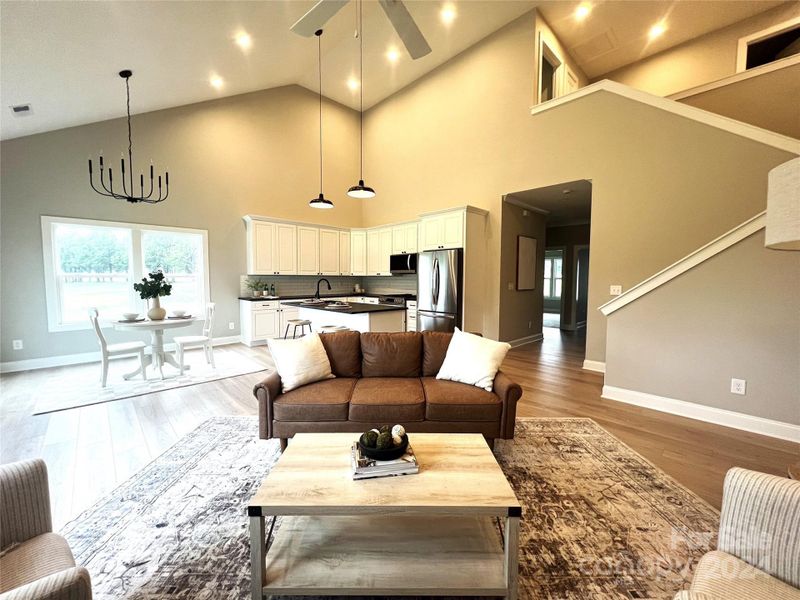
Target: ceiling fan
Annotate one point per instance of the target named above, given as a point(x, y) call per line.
point(395, 10)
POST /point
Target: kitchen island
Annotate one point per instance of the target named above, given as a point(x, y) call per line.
point(357, 316)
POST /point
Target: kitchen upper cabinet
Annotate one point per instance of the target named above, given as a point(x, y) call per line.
point(358, 252)
point(444, 230)
point(308, 251)
point(271, 248)
point(386, 250)
point(345, 268)
point(404, 238)
point(285, 249)
point(329, 252)
point(374, 252)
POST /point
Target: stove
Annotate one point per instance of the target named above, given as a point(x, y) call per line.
point(396, 299)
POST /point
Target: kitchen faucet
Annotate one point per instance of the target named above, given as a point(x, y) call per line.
point(320, 281)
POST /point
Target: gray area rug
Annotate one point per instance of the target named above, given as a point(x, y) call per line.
point(599, 521)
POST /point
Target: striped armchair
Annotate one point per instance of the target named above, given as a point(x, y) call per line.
point(35, 563)
point(758, 551)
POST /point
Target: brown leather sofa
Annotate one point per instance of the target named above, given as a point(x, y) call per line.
point(386, 378)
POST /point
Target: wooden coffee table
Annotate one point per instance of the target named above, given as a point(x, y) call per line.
point(434, 533)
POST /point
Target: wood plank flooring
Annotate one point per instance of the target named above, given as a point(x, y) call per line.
point(92, 449)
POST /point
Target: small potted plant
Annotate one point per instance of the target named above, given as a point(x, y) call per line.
point(152, 288)
point(256, 286)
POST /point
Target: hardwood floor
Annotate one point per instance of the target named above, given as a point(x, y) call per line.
point(92, 449)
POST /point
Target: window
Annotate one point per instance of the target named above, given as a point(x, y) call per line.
point(95, 263)
point(549, 73)
point(768, 45)
point(553, 264)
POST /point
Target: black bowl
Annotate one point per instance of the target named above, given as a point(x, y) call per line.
point(392, 453)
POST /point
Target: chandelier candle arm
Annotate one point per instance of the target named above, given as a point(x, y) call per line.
point(128, 182)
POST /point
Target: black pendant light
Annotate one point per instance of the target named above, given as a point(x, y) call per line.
point(361, 190)
point(127, 194)
point(320, 201)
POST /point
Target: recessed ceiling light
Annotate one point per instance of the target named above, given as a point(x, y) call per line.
point(583, 10)
point(353, 84)
point(448, 14)
point(392, 55)
point(657, 30)
point(243, 40)
point(216, 82)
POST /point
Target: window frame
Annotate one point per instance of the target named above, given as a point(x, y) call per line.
point(550, 282)
point(744, 43)
point(135, 263)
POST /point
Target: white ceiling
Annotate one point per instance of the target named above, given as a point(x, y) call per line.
point(562, 204)
point(62, 57)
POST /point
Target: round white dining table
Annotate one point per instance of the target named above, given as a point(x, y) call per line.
point(158, 357)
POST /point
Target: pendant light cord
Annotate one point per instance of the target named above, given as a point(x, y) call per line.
point(130, 138)
point(319, 54)
point(361, 85)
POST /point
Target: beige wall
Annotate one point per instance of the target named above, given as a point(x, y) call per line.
point(735, 315)
point(702, 60)
point(522, 310)
point(662, 185)
point(254, 153)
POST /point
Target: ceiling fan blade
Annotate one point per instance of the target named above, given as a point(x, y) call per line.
point(317, 17)
point(406, 28)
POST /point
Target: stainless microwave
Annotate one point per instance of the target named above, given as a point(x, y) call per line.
point(401, 264)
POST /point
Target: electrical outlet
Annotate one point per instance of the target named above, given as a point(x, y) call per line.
point(16, 344)
point(615, 290)
point(231, 326)
point(738, 386)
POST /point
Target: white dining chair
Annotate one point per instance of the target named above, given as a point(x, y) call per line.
point(193, 341)
point(109, 350)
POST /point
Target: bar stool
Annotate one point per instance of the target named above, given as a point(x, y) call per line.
point(332, 328)
point(301, 323)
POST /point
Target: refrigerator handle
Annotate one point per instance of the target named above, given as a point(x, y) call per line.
point(435, 281)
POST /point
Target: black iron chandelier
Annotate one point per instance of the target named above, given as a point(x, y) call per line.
point(127, 192)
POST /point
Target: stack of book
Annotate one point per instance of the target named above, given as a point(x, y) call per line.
point(367, 468)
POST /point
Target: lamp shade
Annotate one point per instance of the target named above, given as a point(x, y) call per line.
point(783, 207)
point(320, 202)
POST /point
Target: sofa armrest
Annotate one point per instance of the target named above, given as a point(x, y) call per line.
point(25, 511)
point(509, 392)
point(266, 391)
point(758, 522)
point(70, 584)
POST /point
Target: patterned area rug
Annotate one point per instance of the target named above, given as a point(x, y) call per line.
point(599, 521)
point(57, 396)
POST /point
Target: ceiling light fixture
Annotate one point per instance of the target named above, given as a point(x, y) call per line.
point(320, 201)
point(361, 190)
point(392, 55)
point(353, 84)
point(448, 14)
point(126, 193)
point(243, 40)
point(657, 30)
point(583, 10)
point(216, 82)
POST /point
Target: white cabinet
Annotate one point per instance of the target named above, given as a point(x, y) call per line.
point(443, 230)
point(411, 315)
point(345, 268)
point(259, 320)
point(329, 252)
point(358, 252)
point(271, 248)
point(307, 250)
point(404, 238)
point(379, 249)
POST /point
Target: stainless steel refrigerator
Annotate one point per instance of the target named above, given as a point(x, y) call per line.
point(439, 283)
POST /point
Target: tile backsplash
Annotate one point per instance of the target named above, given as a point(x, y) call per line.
point(291, 285)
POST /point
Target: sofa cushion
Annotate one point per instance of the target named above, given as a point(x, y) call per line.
point(300, 361)
point(344, 351)
point(722, 575)
point(391, 354)
point(321, 401)
point(434, 349)
point(387, 400)
point(453, 401)
point(34, 559)
point(473, 359)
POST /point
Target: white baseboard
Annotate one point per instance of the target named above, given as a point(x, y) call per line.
point(709, 414)
point(594, 365)
point(65, 360)
point(536, 337)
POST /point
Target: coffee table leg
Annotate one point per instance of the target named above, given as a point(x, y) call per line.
point(511, 556)
point(257, 549)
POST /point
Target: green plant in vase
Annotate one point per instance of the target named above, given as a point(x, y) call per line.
point(152, 288)
point(256, 286)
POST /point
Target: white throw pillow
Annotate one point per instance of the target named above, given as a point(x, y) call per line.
point(300, 361)
point(472, 359)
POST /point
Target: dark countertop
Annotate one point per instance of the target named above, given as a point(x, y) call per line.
point(311, 295)
point(356, 308)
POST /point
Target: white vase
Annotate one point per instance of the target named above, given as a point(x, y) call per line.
point(156, 313)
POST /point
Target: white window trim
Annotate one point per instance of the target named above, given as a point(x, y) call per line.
point(746, 41)
point(49, 259)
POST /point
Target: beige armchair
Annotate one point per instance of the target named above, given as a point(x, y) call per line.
point(35, 563)
point(758, 551)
